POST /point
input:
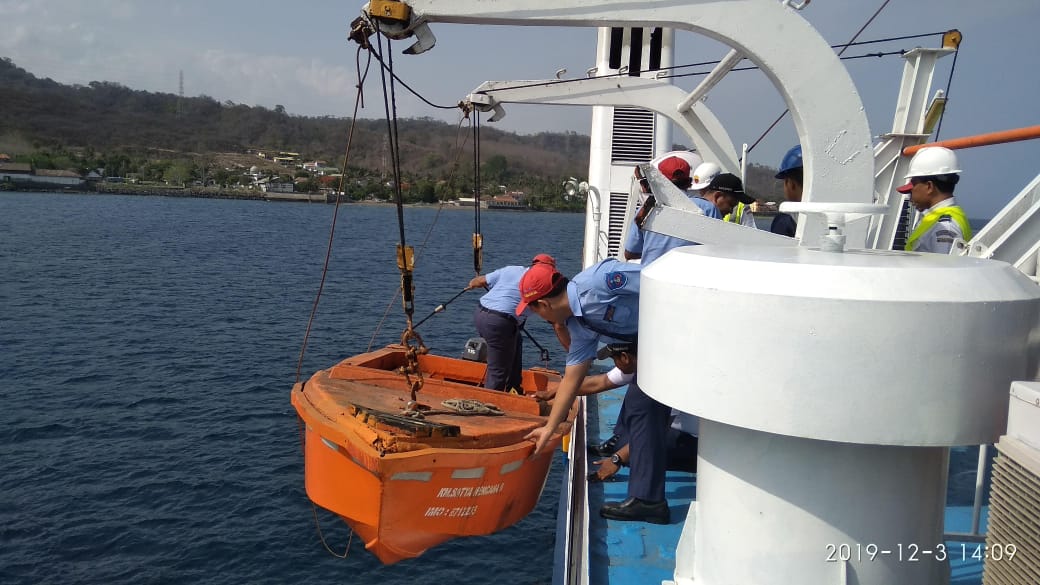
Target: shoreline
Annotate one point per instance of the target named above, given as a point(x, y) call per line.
point(246, 195)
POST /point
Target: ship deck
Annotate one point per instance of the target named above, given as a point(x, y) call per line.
point(623, 553)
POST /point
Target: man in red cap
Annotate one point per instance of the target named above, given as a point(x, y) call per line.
point(499, 323)
point(650, 245)
point(601, 305)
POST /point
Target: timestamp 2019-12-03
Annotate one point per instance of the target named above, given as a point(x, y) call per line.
point(911, 552)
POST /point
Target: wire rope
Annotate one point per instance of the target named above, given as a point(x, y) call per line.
point(840, 53)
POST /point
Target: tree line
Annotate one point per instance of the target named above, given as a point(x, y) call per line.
point(163, 137)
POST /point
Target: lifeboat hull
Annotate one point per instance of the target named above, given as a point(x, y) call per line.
point(405, 487)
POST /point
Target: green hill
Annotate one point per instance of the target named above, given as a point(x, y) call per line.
point(133, 131)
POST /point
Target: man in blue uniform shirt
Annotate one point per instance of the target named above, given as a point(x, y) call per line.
point(499, 324)
point(650, 245)
point(601, 304)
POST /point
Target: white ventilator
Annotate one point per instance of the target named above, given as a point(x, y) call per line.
point(830, 386)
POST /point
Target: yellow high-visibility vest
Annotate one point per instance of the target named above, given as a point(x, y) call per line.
point(932, 217)
point(736, 215)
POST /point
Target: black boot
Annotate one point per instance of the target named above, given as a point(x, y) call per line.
point(636, 510)
point(606, 448)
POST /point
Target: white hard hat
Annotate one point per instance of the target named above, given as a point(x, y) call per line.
point(933, 160)
point(692, 158)
point(704, 174)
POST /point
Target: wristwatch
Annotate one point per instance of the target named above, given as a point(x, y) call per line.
point(616, 460)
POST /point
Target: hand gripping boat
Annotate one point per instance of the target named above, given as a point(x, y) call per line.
point(407, 483)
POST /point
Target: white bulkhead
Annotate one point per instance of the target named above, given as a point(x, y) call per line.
point(825, 381)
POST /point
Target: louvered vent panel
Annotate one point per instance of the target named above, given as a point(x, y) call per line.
point(618, 203)
point(1014, 516)
point(633, 137)
point(903, 226)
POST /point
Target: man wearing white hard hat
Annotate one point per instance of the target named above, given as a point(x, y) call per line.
point(703, 176)
point(648, 246)
point(932, 177)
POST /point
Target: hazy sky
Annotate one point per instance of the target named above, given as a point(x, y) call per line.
point(296, 55)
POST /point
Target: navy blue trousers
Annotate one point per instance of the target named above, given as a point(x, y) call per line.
point(505, 348)
point(645, 420)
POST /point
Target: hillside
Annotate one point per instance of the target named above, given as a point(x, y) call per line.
point(123, 125)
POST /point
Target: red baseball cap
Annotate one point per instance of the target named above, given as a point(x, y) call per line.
point(674, 168)
point(906, 188)
point(537, 282)
point(543, 259)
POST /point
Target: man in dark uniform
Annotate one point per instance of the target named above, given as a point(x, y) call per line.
point(791, 174)
point(601, 304)
point(497, 321)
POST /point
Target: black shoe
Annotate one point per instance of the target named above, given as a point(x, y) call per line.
point(606, 448)
point(636, 510)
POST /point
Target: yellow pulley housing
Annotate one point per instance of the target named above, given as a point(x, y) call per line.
point(390, 10)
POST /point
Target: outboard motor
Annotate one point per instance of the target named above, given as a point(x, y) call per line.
point(475, 350)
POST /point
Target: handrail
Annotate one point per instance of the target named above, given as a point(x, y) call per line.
point(1001, 137)
point(976, 510)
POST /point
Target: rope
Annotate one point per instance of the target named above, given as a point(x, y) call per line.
point(358, 103)
point(949, 82)
point(314, 508)
point(411, 340)
point(455, 165)
point(440, 308)
point(840, 53)
point(701, 64)
point(542, 352)
point(413, 92)
point(478, 239)
point(390, 106)
point(458, 406)
point(755, 67)
point(335, 215)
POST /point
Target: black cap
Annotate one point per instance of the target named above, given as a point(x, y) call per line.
point(730, 183)
point(612, 348)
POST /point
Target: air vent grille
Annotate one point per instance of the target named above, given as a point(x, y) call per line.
point(1014, 516)
point(618, 203)
point(633, 136)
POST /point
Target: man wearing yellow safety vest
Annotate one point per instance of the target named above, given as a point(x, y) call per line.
point(741, 215)
point(703, 175)
point(933, 174)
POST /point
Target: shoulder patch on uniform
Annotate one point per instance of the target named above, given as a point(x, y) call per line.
point(616, 280)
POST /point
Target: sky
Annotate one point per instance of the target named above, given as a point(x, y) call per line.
point(297, 55)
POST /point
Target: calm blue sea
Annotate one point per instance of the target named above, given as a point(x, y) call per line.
point(147, 349)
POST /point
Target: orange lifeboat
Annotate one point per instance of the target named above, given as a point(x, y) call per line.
point(405, 484)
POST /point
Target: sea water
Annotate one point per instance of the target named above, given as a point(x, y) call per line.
point(147, 350)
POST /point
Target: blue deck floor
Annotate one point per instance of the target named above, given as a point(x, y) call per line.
point(622, 553)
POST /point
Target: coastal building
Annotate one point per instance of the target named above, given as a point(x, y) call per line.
point(57, 177)
point(764, 207)
point(319, 167)
point(268, 186)
point(469, 202)
point(506, 202)
point(15, 171)
point(23, 174)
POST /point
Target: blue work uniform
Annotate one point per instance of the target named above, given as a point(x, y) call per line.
point(651, 245)
point(784, 224)
point(496, 322)
point(605, 301)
